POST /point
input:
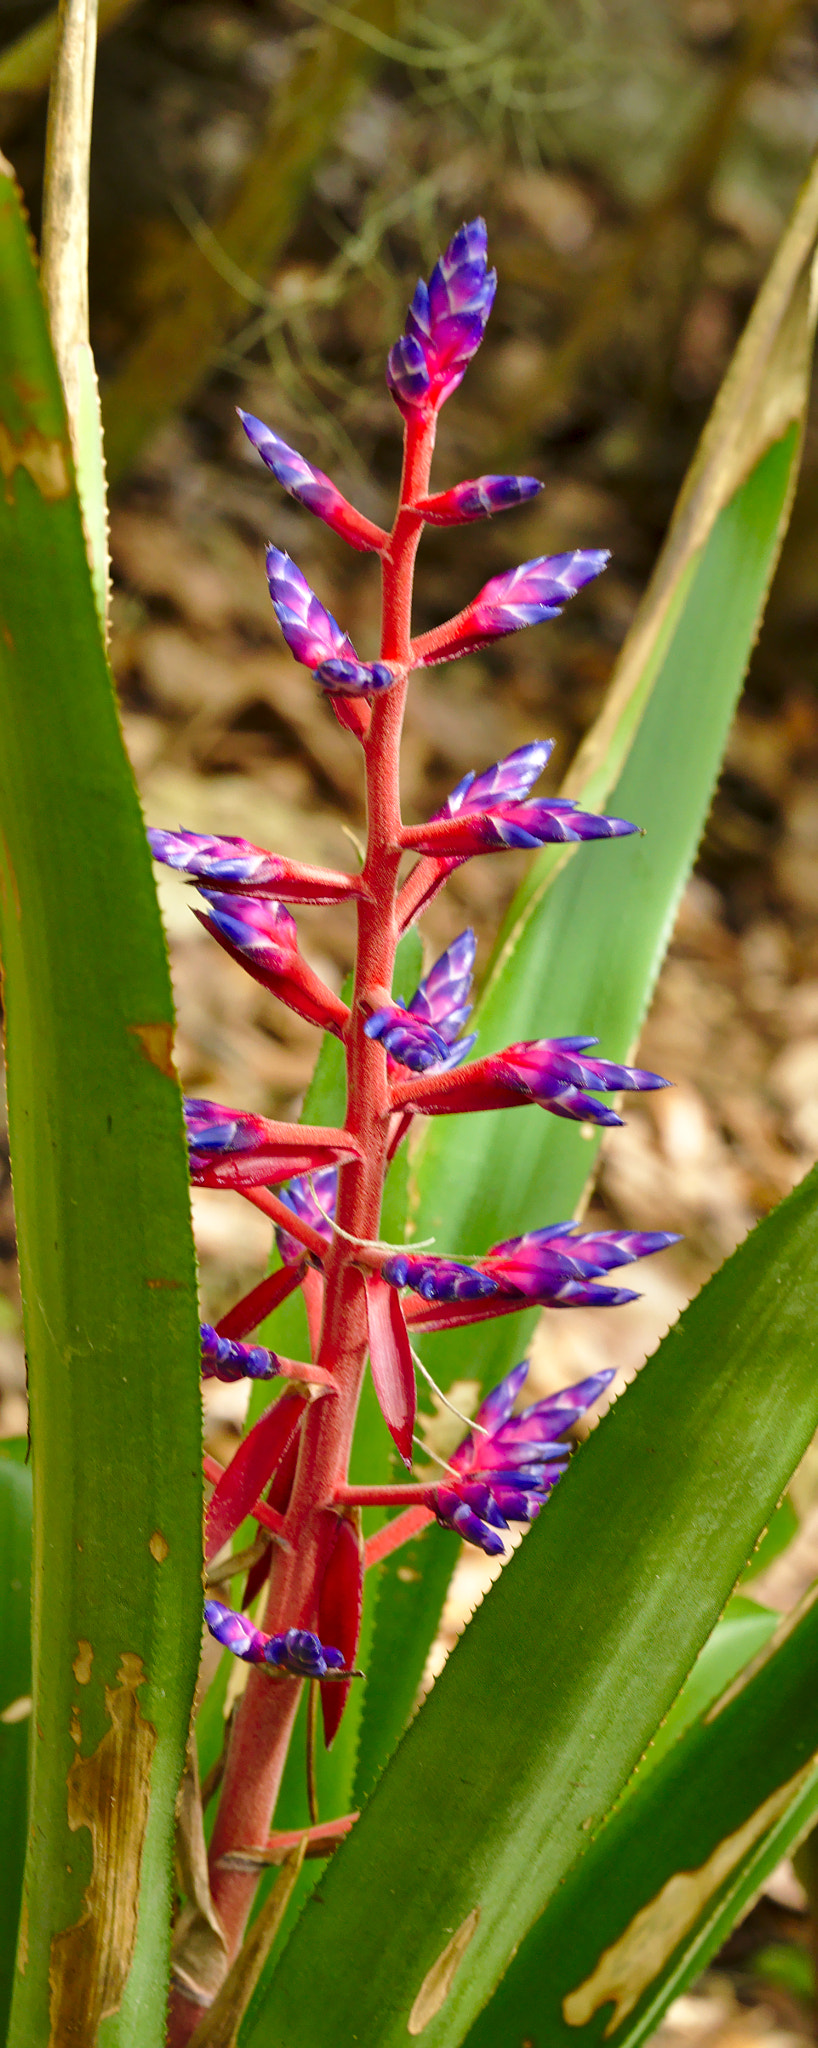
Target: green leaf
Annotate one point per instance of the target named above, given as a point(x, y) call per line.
point(560, 1680)
point(667, 1877)
point(106, 1254)
point(585, 936)
point(586, 956)
point(743, 1631)
point(91, 485)
point(783, 1527)
point(15, 1705)
point(413, 1584)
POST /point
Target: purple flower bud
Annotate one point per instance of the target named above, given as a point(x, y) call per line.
point(507, 1466)
point(256, 926)
point(588, 1254)
point(506, 782)
point(444, 325)
point(261, 935)
point(547, 1071)
point(297, 1651)
point(354, 678)
point(303, 1655)
point(477, 499)
point(236, 1631)
point(311, 632)
point(555, 1268)
point(214, 1132)
point(550, 822)
point(233, 1149)
point(303, 1196)
point(422, 1035)
point(437, 1279)
point(236, 866)
point(550, 1268)
point(224, 1360)
point(541, 1063)
point(408, 1040)
point(310, 486)
point(453, 1512)
point(520, 597)
point(442, 999)
point(314, 636)
point(406, 373)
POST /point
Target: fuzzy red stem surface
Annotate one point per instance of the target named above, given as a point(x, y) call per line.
point(409, 1496)
point(394, 1534)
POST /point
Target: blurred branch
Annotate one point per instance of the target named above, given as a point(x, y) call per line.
point(64, 269)
point(204, 300)
point(684, 197)
point(25, 67)
point(64, 254)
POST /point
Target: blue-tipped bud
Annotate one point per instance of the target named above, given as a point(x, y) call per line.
point(348, 678)
point(310, 486)
point(478, 499)
point(437, 1279)
point(224, 1360)
point(445, 323)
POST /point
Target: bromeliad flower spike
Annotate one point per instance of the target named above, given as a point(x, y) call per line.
point(322, 1188)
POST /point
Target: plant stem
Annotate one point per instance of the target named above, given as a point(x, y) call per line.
point(264, 1721)
point(393, 1535)
point(410, 1496)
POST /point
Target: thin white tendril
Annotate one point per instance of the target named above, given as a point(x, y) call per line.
point(364, 1244)
point(481, 1430)
point(434, 1457)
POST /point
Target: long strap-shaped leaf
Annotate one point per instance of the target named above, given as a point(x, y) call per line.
point(560, 1680)
point(671, 1873)
point(15, 1703)
point(65, 269)
point(106, 1254)
point(585, 937)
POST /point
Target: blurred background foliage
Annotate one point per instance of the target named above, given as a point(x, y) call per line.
point(267, 181)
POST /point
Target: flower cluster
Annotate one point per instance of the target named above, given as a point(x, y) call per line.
point(424, 1033)
point(321, 1186)
point(505, 1469)
point(297, 1651)
point(445, 324)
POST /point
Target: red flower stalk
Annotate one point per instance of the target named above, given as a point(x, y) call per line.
point(291, 1472)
